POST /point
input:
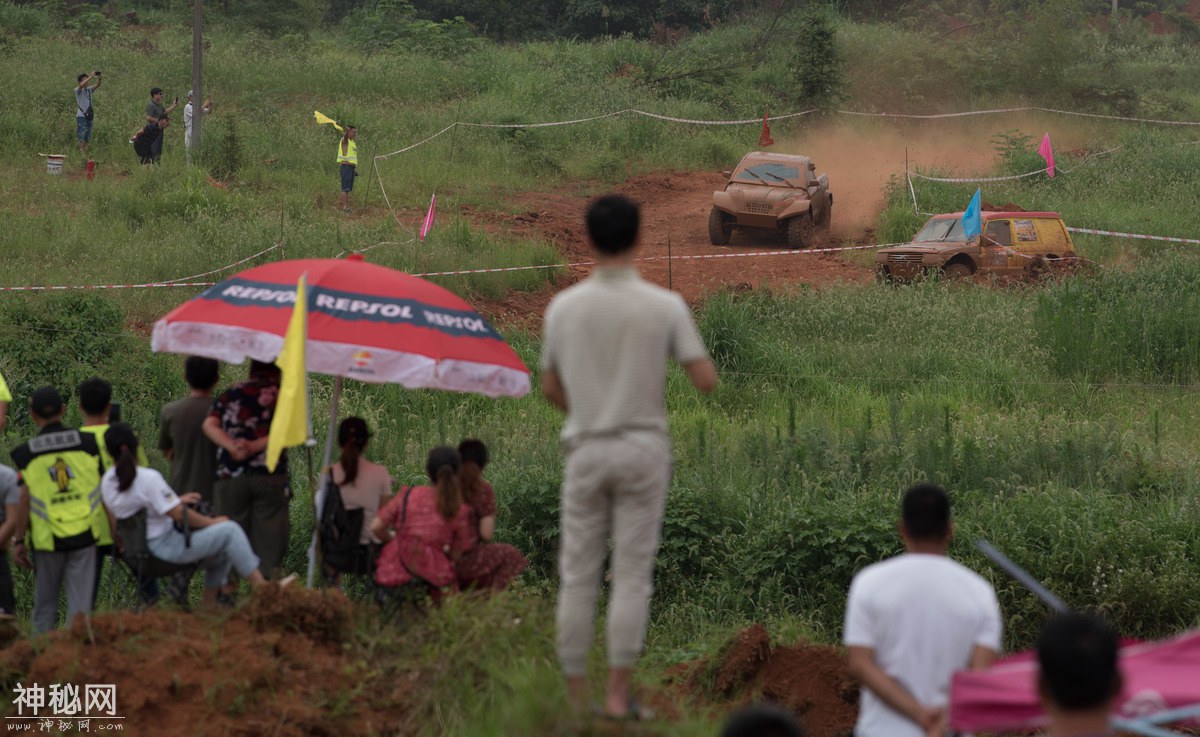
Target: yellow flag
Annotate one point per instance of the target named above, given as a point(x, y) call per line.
point(289, 425)
point(322, 119)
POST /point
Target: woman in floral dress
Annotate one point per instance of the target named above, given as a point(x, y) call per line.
point(486, 565)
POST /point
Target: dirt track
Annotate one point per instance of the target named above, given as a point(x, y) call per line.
point(675, 208)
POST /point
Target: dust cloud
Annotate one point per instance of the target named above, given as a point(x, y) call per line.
point(860, 155)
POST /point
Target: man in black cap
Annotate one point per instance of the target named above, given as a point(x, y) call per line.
point(60, 472)
point(156, 112)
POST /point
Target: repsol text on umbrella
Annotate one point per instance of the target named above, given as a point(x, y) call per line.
point(350, 306)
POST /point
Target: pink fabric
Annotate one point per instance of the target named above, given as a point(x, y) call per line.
point(428, 224)
point(1158, 676)
point(422, 542)
point(1048, 154)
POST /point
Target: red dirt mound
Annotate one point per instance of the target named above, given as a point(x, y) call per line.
point(276, 666)
point(1006, 207)
point(811, 680)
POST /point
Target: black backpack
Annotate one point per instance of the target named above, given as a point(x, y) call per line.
point(340, 529)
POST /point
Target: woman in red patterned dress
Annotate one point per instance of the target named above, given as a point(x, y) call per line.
point(425, 529)
point(486, 565)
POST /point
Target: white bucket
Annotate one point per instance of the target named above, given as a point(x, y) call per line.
point(54, 164)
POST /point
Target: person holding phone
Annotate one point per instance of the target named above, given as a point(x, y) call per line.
point(83, 106)
point(155, 112)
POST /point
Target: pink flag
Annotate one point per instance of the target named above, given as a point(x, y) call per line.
point(1047, 154)
point(428, 224)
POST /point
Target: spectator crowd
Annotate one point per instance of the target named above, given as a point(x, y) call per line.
point(911, 621)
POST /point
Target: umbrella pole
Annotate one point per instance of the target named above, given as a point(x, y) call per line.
point(319, 498)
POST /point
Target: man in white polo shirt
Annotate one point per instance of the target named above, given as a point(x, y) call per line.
point(913, 620)
point(604, 363)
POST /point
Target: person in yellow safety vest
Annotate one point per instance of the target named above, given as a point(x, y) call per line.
point(60, 493)
point(5, 398)
point(348, 158)
point(95, 401)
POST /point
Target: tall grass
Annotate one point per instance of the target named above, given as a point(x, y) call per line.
point(788, 478)
point(1057, 418)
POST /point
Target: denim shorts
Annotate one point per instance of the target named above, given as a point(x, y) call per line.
point(83, 128)
point(348, 177)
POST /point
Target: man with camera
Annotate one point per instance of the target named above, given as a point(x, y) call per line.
point(154, 113)
point(83, 106)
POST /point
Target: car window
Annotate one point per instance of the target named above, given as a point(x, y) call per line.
point(999, 233)
point(1026, 232)
point(941, 229)
point(770, 171)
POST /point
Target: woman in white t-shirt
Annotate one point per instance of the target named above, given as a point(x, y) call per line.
point(363, 485)
point(217, 543)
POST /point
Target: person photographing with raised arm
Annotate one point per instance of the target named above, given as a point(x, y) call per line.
point(915, 619)
point(84, 112)
point(188, 114)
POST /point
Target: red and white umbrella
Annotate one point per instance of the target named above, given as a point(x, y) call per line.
point(365, 322)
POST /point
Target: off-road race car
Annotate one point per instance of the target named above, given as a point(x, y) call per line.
point(774, 192)
point(1012, 243)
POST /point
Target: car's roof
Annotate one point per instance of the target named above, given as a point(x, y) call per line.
point(1000, 214)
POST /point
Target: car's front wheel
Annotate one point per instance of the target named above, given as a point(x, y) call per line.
point(956, 271)
point(800, 231)
point(826, 217)
point(720, 227)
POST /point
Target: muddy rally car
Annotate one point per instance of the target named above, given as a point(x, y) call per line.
point(1012, 244)
point(769, 191)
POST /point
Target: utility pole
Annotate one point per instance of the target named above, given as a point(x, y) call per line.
point(197, 93)
point(1115, 9)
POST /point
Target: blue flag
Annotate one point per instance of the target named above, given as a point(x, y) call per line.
point(972, 223)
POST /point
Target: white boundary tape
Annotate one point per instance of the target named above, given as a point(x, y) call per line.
point(1060, 169)
point(193, 277)
point(68, 287)
point(496, 270)
point(749, 121)
point(972, 180)
point(1195, 241)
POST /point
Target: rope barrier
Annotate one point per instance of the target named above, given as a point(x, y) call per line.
point(1061, 169)
point(68, 287)
point(224, 268)
point(460, 272)
point(784, 116)
point(1139, 236)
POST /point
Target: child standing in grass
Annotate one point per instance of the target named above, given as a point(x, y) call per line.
point(487, 565)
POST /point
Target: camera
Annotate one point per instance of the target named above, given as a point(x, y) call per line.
point(97, 73)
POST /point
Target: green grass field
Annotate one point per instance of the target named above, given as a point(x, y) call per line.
point(1062, 416)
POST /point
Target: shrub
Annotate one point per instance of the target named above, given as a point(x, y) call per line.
point(227, 157)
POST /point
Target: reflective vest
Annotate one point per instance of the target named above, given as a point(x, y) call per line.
point(61, 469)
point(100, 527)
point(351, 155)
